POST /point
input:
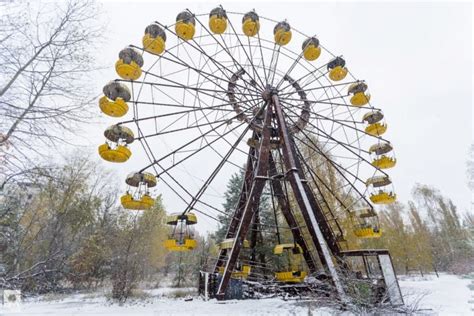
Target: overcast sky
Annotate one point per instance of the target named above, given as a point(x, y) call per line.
point(416, 58)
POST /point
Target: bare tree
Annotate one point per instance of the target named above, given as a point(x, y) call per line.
point(45, 91)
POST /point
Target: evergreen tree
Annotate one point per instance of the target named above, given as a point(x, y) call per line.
point(231, 196)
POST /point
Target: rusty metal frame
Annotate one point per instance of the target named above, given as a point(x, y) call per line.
point(320, 231)
point(258, 183)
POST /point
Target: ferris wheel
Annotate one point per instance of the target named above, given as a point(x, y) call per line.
point(210, 94)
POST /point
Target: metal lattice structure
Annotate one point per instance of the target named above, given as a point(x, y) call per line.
point(214, 93)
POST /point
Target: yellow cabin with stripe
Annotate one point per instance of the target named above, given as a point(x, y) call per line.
point(155, 45)
point(376, 129)
point(290, 276)
point(145, 202)
point(383, 198)
point(250, 24)
point(118, 154)
point(131, 71)
point(384, 162)
point(117, 108)
point(186, 245)
point(218, 20)
point(282, 33)
point(185, 26)
point(238, 274)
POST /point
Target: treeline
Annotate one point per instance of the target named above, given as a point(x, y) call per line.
point(64, 230)
point(427, 235)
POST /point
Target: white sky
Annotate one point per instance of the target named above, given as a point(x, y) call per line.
point(416, 58)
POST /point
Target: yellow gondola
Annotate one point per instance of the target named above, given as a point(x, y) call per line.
point(359, 97)
point(229, 243)
point(250, 24)
point(115, 149)
point(375, 126)
point(114, 101)
point(181, 237)
point(384, 162)
point(240, 272)
point(311, 49)
point(293, 272)
point(218, 20)
point(367, 224)
point(337, 69)
point(137, 196)
point(145, 202)
point(382, 197)
point(282, 33)
point(376, 129)
point(118, 153)
point(378, 195)
point(280, 248)
point(154, 40)
point(130, 63)
point(185, 26)
point(383, 156)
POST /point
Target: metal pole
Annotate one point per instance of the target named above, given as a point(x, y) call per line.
point(206, 286)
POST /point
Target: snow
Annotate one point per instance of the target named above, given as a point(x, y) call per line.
point(79, 305)
point(446, 295)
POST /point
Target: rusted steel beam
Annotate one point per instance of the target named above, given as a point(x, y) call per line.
point(255, 238)
point(261, 173)
point(288, 215)
point(246, 186)
point(325, 227)
point(301, 195)
point(237, 215)
point(255, 226)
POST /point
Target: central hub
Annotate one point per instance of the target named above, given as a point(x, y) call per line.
point(247, 111)
point(268, 93)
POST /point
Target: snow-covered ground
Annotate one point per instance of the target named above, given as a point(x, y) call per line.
point(80, 304)
point(447, 295)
